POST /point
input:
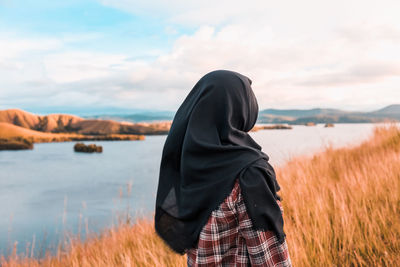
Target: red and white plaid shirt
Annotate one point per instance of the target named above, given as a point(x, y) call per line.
point(228, 239)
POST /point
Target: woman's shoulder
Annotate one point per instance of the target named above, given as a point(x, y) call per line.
point(260, 165)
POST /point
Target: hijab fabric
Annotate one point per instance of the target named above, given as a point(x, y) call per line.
point(207, 148)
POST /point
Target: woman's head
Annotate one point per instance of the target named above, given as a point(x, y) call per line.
point(226, 97)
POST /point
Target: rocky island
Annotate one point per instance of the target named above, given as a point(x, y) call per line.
point(81, 147)
point(271, 127)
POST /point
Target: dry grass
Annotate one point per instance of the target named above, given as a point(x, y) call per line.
point(342, 208)
point(13, 132)
point(343, 205)
point(124, 245)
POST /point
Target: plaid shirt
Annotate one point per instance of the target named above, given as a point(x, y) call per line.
point(228, 239)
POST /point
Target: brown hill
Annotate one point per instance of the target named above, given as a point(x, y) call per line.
point(12, 132)
point(63, 123)
point(146, 128)
point(19, 117)
point(46, 123)
point(113, 127)
point(97, 127)
point(58, 122)
point(8, 130)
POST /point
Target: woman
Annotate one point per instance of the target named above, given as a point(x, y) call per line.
point(217, 195)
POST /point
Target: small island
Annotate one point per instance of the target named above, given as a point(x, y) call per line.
point(81, 147)
point(271, 127)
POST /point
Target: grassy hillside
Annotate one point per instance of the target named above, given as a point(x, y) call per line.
point(10, 131)
point(28, 120)
point(64, 123)
point(341, 206)
point(13, 132)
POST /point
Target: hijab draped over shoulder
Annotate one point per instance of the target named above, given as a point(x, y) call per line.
point(207, 148)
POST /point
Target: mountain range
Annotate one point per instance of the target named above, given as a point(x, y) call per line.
point(158, 122)
point(290, 116)
point(65, 123)
point(319, 115)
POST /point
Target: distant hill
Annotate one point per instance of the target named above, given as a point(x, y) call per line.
point(290, 116)
point(301, 112)
point(48, 123)
point(149, 116)
point(390, 109)
point(159, 122)
point(318, 115)
point(63, 123)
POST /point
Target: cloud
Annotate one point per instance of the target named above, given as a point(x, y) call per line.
point(285, 73)
point(302, 54)
point(368, 72)
point(286, 16)
point(70, 66)
point(14, 49)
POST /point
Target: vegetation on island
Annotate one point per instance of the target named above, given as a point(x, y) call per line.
point(9, 132)
point(341, 208)
point(81, 147)
point(271, 127)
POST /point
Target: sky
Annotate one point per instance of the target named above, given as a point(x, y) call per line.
point(121, 55)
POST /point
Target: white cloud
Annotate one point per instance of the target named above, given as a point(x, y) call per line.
point(285, 73)
point(298, 54)
point(283, 15)
point(71, 66)
point(363, 73)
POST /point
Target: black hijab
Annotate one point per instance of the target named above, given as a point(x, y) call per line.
point(207, 148)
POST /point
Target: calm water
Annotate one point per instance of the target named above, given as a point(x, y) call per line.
point(52, 189)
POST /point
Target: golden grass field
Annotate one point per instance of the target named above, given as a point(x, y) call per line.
point(13, 132)
point(342, 208)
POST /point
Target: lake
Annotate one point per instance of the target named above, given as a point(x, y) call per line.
point(51, 189)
